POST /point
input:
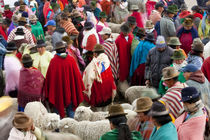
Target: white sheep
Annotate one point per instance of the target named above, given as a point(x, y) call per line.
point(133, 93)
point(36, 111)
point(115, 27)
point(50, 121)
point(131, 114)
point(115, 35)
point(83, 113)
point(86, 130)
point(127, 106)
point(60, 136)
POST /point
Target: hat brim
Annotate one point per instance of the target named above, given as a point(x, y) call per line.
point(175, 75)
point(21, 126)
point(187, 25)
point(41, 45)
point(115, 115)
point(174, 58)
point(142, 110)
point(154, 113)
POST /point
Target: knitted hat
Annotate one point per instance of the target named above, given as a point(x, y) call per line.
point(105, 30)
point(125, 28)
point(143, 104)
point(198, 46)
point(67, 39)
point(178, 55)
point(150, 37)
point(102, 15)
point(160, 42)
point(11, 46)
point(22, 121)
point(174, 41)
point(40, 43)
point(22, 19)
point(188, 22)
point(88, 25)
point(149, 24)
point(98, 48)
point(158, 109)
point(33, 18)
point(189, 93)
point(116, 110)
point(134, 7)
point(59, 45)
point(169, 73)
point(189, 68)
point(131, 20)
point(26, 58)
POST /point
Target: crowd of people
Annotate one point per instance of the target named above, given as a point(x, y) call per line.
point(70, 53)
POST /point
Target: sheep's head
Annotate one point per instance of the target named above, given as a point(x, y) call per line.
point(50, 121)
point(83, 113)
point(67, 125)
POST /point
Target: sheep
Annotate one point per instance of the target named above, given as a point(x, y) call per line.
point(36, 111)
point(60, 136)
point(127, 106)
point(86, 130)
point(115, 27)
point(131, 114)
point(50, 121)
point(115, 35)
point(133, 93)
point(83, 113)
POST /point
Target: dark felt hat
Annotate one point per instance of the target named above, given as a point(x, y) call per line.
point(88, 25)
point(116, 110)
point(150, 37)
point(125, 28)
point(158, 109)
point(198, 46)
point(11, 46)
point(141, 32)
point(40, 43)
point(159, 4)
point(131, 20)
point(189, 93)
point(26, 58)
point(59, 45)
point(19, 31)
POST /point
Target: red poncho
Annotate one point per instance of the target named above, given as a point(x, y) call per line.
point(139, 19)
point(63, 84)
point(124, 52)
point(206, 68)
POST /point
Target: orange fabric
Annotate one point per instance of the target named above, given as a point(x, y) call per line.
point(61, 5)
point(106, 6)
point(91, 42)
point(81, 3)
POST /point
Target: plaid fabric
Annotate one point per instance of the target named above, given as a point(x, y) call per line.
point(28, 35)
point(146, 129)
point(69, 28)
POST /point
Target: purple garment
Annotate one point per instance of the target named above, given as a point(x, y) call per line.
point(11, 27)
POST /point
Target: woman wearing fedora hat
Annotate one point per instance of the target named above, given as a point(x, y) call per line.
point(164, 128)
point(118, 125)
point(194, 122)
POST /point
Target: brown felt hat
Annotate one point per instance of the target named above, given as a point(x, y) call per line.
point(116, 110)
point(98, 48)
point(67, 39)
point(169, 73)
point(197, 45)
point(143, 104)
point(188, 22)
point(22, 121)
point(22, 19)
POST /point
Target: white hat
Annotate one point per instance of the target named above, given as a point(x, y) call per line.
point(105, 30)
point(134, 7)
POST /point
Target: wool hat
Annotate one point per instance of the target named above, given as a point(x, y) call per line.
point(197, 46)
point(169, 73)
point(183, 7)
point(5, 103)
point(150, 37)
point(171, 9)
point(22, 19)
point(59, 45)
point(26, 58)
point(11, 47)
point(33, 18)
point(149, 92)
point(141, 32)
point(131, 20)
point(88, 25)
point(143, 104)
point(189, 68)
point(160, 42)
point(50, 23)
point(98, 48)
point(116, 110)
point(40, 43)
point(67, 39)
point(174, 41)
point(22, 121)
point(125, 28)
point(158, 109)
point(178, 55)
point(134, 7)
point(189, 93)
point(159, 4)
point(149, 24)
point(105, 30)
point(188, 22)
point(19, 31)
point(102, 15)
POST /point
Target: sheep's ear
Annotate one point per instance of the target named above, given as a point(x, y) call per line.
point(88, 107)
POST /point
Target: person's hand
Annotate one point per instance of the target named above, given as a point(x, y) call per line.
point(147, 82)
